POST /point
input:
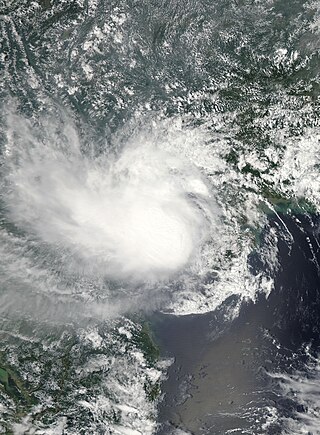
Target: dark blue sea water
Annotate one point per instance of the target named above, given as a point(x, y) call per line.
point(159, 217)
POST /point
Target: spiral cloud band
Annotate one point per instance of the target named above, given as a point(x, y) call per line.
point(141, 213)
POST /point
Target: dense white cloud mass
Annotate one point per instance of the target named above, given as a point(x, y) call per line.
point(140, 213)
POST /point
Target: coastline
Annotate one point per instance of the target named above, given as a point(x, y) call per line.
point(221, 379)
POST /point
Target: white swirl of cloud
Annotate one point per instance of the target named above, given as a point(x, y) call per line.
point(142, 213)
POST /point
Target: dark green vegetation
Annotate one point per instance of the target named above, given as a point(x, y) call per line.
point(144, 341)
point(45, 378)
point(151, 351)
point(241, 76)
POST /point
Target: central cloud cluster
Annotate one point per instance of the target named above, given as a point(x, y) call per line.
point(143, 214)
